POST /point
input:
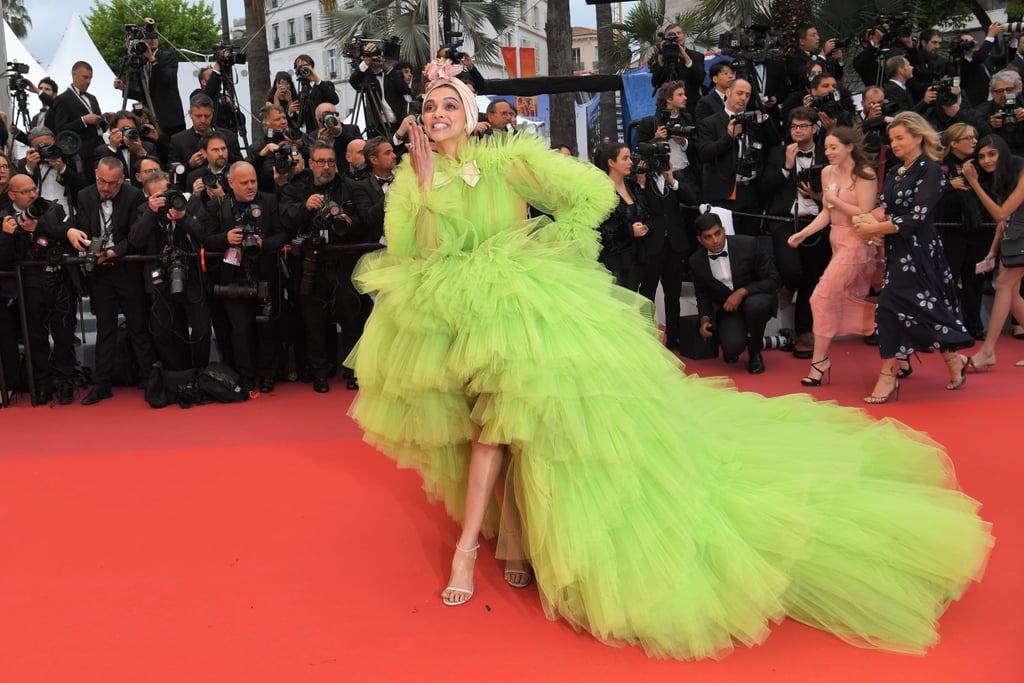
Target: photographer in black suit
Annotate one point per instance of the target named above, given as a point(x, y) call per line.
point(385, 92)
point(106, 211)
point(736, 287)
point(78, 111)
point(161, 72)
point(806, 51)
point(187, 146)
point(33, 230)
point(731, 145)
point(676, 62)
point(126, 143)
point(55, 178)
point(313, 91)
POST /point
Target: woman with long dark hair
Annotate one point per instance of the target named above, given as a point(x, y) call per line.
point(839, 304)
point(283, 93)
point(620, 251)
point(965, 237)
point(918, 307)
point(999, 183)
point(654, 508)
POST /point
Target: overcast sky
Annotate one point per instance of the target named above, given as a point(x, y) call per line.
point(50, 17)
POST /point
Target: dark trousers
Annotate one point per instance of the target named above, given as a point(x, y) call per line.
point(744, 327)
point(964, 249)
point(667, 266)
point(50, 306)
point(9, 357)
point(334, 299)
point(252, 345)
point(746, 201)
point(800, 268)
point(181, 327)
point(113, 290)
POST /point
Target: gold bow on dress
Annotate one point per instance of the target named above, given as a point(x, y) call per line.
point(469, 172)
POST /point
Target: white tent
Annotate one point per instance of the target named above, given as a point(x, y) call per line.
point(16, 52)
point(75, 46)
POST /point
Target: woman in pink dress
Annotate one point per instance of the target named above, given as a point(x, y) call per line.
point(839, 303)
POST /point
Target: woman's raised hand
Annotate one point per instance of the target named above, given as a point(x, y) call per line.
point(420, 156)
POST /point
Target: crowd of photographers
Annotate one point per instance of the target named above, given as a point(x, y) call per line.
point(188, 233)
point(751, 141)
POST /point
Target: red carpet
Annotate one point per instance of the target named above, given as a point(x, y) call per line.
point(265, 542)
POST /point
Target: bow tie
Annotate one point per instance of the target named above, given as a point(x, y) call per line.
point(805, 155)
point(718, 255)
point(386, 181)
point(469, 172)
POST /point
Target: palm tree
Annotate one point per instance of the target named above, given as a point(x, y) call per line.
point(258, 60)
point(562, 107)
point(17, 17)
point(480, 23)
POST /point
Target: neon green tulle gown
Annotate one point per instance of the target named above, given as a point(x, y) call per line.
point(657, 509)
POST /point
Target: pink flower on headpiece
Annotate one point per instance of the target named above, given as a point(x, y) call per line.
point(441, 68)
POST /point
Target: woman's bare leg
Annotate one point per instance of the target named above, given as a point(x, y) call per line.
point(1007, 297)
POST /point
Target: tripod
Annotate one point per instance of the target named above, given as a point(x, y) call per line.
point(134, 66)
point(227, 89)
point(369, 105)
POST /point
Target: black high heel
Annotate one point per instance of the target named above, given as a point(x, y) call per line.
point(893, 394)
point(905, 368)
point(823, 373)
point(955, 384)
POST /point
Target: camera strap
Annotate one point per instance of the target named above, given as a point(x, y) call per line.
point(106, 210)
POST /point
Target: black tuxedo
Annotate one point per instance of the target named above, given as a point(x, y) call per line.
point(800, 268)
point(68, 111)
point(187, 142)
point(976, 74)
point(395, 93)
point(753, 270)
point(709, 105)
point(119, 287)
point(796, 67)
point(368, 195)
point(163, 92)
point(902, 97)
point(129, 165)
point(692, 76)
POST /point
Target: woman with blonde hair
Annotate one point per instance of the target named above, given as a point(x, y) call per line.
point(918, 307)
point(839, 304)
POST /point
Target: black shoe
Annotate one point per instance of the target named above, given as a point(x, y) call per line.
point(43, 397)
point(97, 394)
point(803, 352)
point(731, 360)
point(321, 386)
point(871, 339)
point(755, 366)
point(351, 383)
point(266, 386)
point(65, 393)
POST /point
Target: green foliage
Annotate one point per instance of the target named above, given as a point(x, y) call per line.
point(17, 17)
point(181, 24)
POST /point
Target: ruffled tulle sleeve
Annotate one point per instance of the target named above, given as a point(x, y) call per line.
point(412, 213)
point(577, 194)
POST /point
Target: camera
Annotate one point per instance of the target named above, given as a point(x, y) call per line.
point(175, 200)
point(306, 246)
point(958, 47)
point(675, 126)
point(812, 176)
point(841, 43)
point(750, 118)
point(1006, 112)
point(250, 241)
point(303, 71)
point(228, 54)
point(332, 216)
point(284, 160)
point(390, 48)
point(92, 254)
point(943, 87)
point(210, 180)
point(330, 120)
point(753, 43)
point(785, 340)
point(655, 156)
point(249, 289)
point(48, 150)
point(293, 133)
point(669, 47)
point(828, 103)
point(177, 270)
point(18, 82)
point(454, 55)
point(135, 37)
point(36, 209)
point(129, 133)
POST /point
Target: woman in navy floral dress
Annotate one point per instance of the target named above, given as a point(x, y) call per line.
point(918, 307)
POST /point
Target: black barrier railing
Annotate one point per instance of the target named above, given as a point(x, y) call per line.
point(15, 272)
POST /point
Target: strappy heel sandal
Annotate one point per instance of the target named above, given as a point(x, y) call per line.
point(904, 367)
point(824, 373)
point(468, 592)
point(955, 384)
point(893, 394)
point(519, 578)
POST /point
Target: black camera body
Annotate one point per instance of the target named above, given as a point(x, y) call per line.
point(669, 47)
point(248, 289)
point(330, 120)
point(48, 150)
point(333, 216)
point(37, 209)
point(958, 47)
point(171, 268)
point(228, 54)
point(306, 246)
point(92, 253)
point(135, 37)
point(130, 133)
point(944, 95)
point(812, 176)
point(284, 160)
point(454, 55)
point(250, 241)
point(749, 118)
point(175, 200)
point(1007, 112)
point(829, 103)
point(675, 125)
point(655, 155)
point(303, 72)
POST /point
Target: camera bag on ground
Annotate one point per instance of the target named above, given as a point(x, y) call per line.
point(164, 387)
point(219, 382)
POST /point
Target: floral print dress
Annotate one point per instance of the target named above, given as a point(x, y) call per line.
point(918, 308)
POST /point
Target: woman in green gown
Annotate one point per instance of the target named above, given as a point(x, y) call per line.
point(654, 508)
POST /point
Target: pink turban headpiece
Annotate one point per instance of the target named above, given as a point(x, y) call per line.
point(442, 72)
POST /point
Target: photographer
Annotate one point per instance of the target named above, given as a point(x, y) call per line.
point(792, 187)
point(331, 129)
point(244, 225)
point(974, 63)
point(78, 111)
point(280, 154)
point(722, 75)
point(126, 143)
point(676, 62)
point(45, 163)
point(186, 146)
point(806, 51)
point(106, 211)
point(226, 116)
point(888, 37)
point(284, 94)
point(316, 210)
point(386, 94)
point(950, 107)
point(1005, 111)
point(47, 91)
point(179, 318)
point(898, 72)
point(370, 191)
point(929, 65)
point(161, 75)
point(730, 146)
point(501, 117)
point(470, 74)
point(832, 106)
point(210, 181)
point(673, 125)
point(33, 230)
point(312, 92)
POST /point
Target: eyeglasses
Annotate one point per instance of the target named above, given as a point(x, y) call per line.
point(323, 162)
point(973, 138)
point(1003, 91)
point(801, 126)
point(4, 167)
point(28, 190)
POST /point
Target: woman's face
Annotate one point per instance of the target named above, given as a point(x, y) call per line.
point(444, 116)
point(621, 164)
point(964, 145)
point(988, 159)
point(5, 172)
point(904, 145)
point(835, 151)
